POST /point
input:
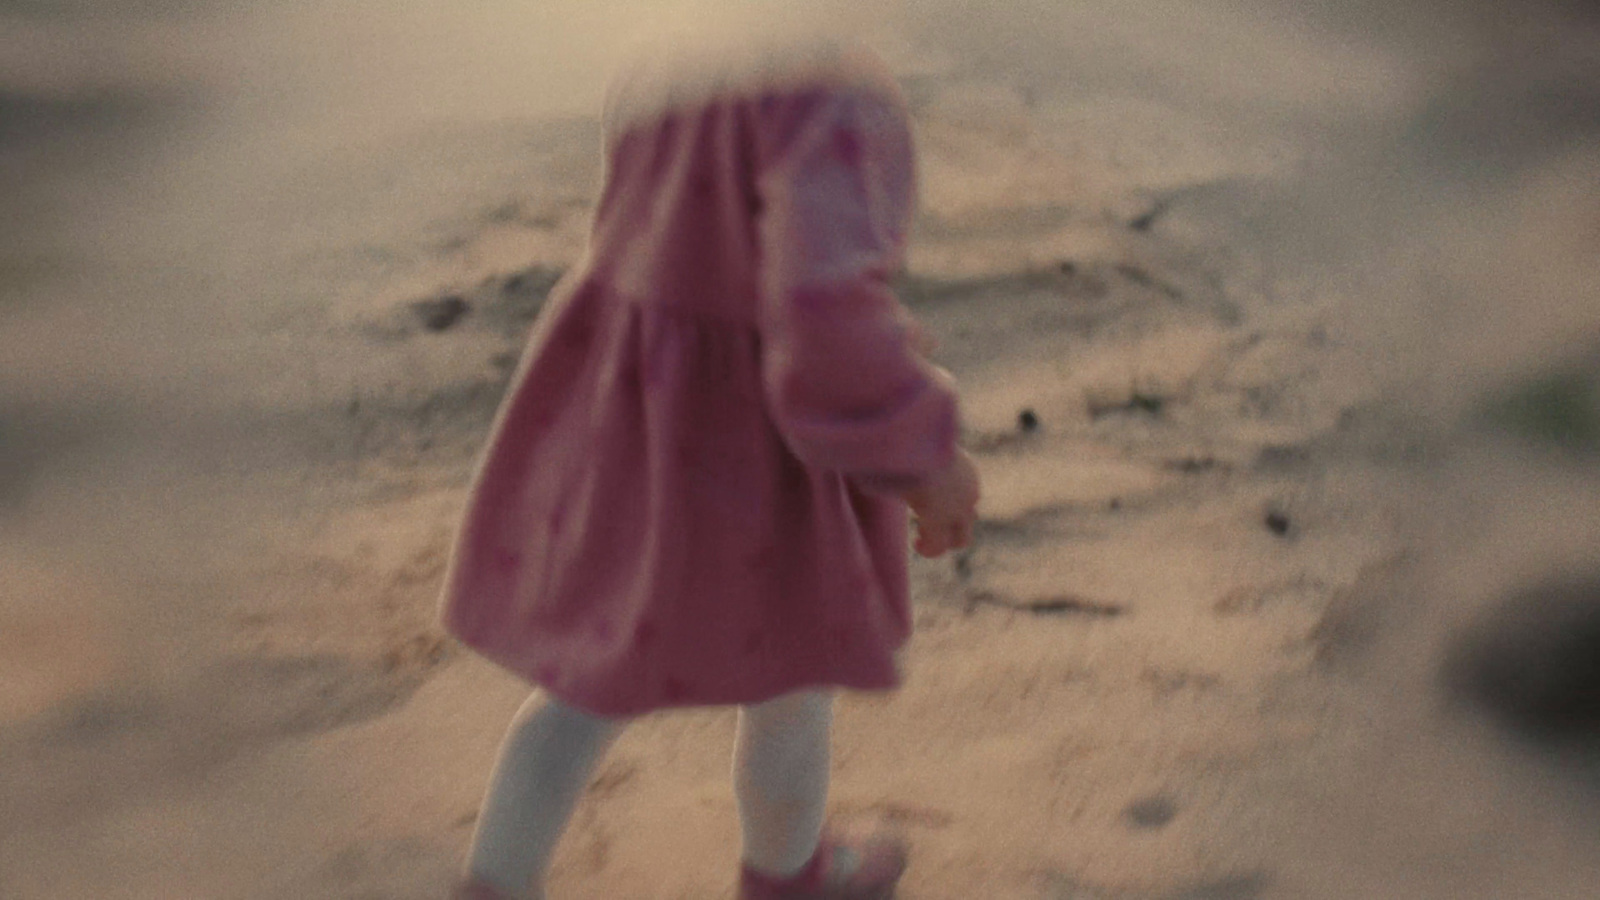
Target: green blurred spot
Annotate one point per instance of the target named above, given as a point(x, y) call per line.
point(1560, 408)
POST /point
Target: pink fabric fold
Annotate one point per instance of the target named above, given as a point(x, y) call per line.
point(689, 495)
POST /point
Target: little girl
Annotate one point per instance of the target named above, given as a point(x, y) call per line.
point(696, 491)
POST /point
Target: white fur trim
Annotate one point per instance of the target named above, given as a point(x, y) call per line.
point(688, 71)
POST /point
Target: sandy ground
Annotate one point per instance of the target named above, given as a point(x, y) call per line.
point(1194, 654)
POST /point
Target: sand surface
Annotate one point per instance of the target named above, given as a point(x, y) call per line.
point(1255, 273)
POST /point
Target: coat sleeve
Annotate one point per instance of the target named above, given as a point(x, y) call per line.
point(843, 382)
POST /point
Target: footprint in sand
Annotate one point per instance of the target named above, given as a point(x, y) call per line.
point(615, 776)
point(904, 815)
point(237, 701)
point(136, 741)
point(403, 868)
point(1152, 812)
point(57, 639)
point(267, 698)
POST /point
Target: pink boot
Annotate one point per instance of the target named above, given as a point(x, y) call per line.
point(865, 871)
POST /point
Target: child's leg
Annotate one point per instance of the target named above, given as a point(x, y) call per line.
point(544, 766)
point(780, 778)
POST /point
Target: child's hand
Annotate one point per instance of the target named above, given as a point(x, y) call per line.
point(946, 507)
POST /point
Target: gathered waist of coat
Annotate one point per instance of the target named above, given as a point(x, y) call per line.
point(695, 310)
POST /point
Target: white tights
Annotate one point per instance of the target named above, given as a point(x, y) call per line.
point(780, 780)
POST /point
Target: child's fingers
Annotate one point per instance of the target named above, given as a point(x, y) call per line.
point(932, 539)
point(935, 538)
point(961, 535)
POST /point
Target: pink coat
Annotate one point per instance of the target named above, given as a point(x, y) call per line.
point(688, 496)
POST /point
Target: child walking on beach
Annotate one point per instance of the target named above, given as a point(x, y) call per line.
point(696, 491)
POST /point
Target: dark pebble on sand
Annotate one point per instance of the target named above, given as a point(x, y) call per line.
point(1192, 464)
point(1146, 221)
point(441, 313)
point(1277, 523)
point(1281, 457)
point(1150, 812)
point(1145, 402)
point(1027, 420)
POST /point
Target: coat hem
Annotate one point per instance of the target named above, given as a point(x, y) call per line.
point(583, 702)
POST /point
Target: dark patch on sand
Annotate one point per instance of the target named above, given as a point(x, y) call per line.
point(1282, 458)
point(34, 438)
point(1533, 663)
point(1243, 886)
point(1558, 409)
point(1137, 402)
point(1151, 812)
point(1080, 281)
point(26, 117)
point(1356, 617)
point(1049, 604)
point(440, 314)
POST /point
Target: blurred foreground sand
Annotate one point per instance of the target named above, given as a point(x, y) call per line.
point(1194, 654)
